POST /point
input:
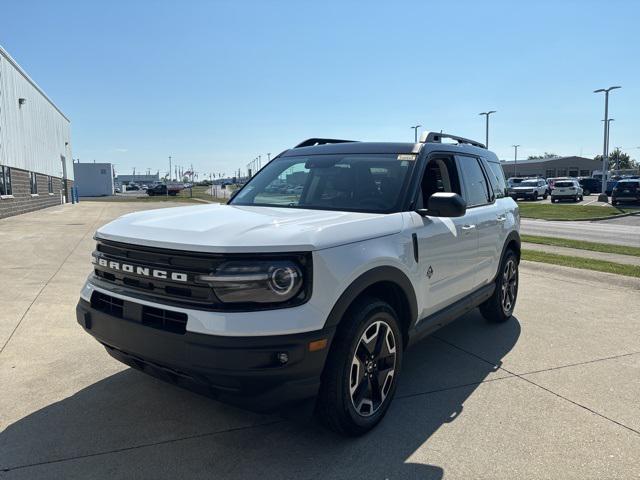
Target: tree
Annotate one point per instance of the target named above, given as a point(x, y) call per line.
point(619, 160)
point(542, 157)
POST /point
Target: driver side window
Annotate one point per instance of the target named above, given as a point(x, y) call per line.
point(440, 175)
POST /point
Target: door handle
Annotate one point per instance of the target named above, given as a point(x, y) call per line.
point(502, 218)
point(468, 227)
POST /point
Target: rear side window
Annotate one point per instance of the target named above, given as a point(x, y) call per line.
point(496, 177)
point(475, 185)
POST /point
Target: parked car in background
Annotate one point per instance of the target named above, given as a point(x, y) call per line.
point(552, 181)
point(532, 189)
point(567, 190)
point(610, 186)
point(161, 189)
point(514, 182)
point(590, 185)
point(627, 190)
point(132, 186)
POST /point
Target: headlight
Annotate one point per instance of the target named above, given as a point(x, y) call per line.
point(258, 281)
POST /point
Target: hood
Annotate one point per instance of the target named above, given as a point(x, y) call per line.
point(230, 228)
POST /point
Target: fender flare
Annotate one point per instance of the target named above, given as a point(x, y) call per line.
point(513, 236)
point(364, 281)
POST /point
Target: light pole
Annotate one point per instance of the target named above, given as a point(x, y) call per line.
point(268, 157)
point(169, 179)
point(609, 134)
point(605, 148)
point(415, 133)
point(486, 135)
point(515, 160)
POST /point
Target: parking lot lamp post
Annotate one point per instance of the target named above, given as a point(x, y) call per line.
point(609, 138)
point(603, 196)
point(515, 160)
point(486, 134)
point(415, 133)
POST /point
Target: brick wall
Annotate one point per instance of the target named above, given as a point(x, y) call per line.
point(23, 201)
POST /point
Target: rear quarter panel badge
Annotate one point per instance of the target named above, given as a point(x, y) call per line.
point(429, 272)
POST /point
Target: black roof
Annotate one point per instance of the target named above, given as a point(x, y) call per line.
point(353, 147)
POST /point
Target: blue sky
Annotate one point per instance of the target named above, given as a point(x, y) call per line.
point(214, 84)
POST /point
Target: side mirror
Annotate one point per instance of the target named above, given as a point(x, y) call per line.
point(444, 204)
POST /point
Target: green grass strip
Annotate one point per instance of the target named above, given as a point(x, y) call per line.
point(567, 212)
point(582, 245)
point(582, 263)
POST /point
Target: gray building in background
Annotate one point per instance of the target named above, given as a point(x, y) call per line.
point(138, 179)
point(552, 167)
point(93, 179)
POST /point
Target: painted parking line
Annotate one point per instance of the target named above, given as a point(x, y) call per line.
point(589, 203)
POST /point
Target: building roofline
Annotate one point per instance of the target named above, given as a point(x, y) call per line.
point(543, 160)
point(10, 59)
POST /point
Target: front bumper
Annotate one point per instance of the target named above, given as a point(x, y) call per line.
point(245, 371)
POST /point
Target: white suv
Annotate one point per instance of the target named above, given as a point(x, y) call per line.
point(566, 189)
point(286, 294)
point(530, 188)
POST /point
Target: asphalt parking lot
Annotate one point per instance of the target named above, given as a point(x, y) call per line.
point(551, 394)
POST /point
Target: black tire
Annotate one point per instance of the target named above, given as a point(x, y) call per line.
point(497, 308)
point(544, 197)
point(553, 200)
point(587, 192)
point(535, 197)
point(345, 376)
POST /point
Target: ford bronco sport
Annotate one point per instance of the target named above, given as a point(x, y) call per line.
point(314, 278)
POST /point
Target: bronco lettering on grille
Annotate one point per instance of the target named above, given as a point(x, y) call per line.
point(143, 271)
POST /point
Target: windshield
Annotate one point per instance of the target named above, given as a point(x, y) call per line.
point(355, 182)
point(529, 183)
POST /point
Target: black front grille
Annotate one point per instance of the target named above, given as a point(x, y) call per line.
point(110, 257)
point(107, 304)
point(168, 290)
point(168, 320)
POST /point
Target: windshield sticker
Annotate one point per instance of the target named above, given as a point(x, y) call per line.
point(406, 157)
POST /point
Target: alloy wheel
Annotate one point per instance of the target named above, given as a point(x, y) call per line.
point(509, 286)
point(372, 368)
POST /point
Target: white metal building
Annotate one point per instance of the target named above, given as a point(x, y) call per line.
point(35, 144)
point(93, 179)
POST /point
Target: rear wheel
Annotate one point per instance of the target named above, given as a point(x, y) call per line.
point(499, 307)
point(587, 192)
point(362, 370)
point(544, 197)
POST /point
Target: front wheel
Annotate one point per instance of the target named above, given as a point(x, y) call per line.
point(362, 370)
point(499, 307)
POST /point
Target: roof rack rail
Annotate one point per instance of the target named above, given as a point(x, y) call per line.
point(436, 137)
point(320, 141)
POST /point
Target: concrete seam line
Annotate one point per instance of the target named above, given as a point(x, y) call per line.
point(543, 388)
point(91, 228)
point(429, 392)
point(550, 369)
point(143, 445)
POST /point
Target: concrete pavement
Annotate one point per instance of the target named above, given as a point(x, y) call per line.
point(551, 394)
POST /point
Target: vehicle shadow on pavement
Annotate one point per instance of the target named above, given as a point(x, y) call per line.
point(131, 425)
